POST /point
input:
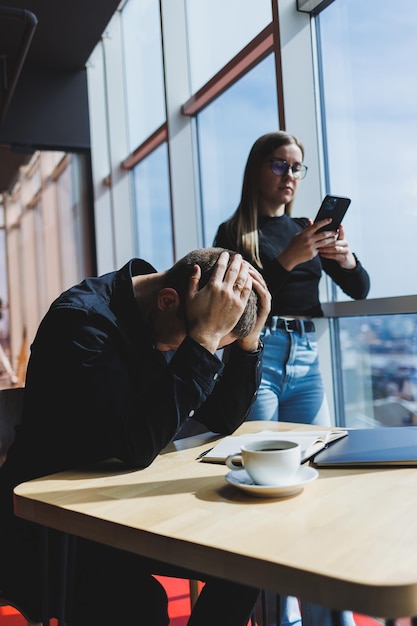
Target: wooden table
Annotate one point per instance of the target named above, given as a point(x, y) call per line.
point(347, 541)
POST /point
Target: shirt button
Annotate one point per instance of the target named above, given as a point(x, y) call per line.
point(215, 377)
point(191, 413)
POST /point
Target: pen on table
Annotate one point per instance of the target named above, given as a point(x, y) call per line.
point(200, 456)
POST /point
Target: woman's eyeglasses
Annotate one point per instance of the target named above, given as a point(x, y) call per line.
point(279, 167)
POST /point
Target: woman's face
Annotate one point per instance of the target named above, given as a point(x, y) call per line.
point(275, 191)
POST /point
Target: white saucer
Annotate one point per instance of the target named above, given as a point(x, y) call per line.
point(242, 480)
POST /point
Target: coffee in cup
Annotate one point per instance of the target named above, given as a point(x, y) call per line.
point(268, 462)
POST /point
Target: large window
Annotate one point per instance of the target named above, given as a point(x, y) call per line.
point(144, 70)
point(379, 365)
point(201, 82)
point(218, 30)
point(153, 216)
point(369, 88)
point(145, 102)
point(226, 131)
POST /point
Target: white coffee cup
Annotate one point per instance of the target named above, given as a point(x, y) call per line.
point(268, 462)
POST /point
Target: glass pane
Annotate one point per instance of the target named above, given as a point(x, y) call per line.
point(379, 365)
point(153, 210)
point(369, 92)
point(218, 30)
point(227, 128)
point(144, 69)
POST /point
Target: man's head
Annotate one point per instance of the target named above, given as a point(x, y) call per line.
point(178, 278)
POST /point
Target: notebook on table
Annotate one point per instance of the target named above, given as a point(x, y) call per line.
point(367, 447)
point(311, 441)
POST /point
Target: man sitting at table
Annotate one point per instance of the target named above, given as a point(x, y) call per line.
point(119, 364)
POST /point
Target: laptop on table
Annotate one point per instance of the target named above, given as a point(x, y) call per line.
point(367, 447)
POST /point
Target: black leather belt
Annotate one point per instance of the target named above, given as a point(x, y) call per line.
point(291, 326)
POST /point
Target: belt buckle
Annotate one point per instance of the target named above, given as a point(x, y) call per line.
point(287, 325)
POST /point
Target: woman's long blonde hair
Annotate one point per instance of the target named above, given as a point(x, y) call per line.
point(242, 227)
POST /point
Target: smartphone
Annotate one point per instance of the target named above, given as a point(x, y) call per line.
point(334, 207)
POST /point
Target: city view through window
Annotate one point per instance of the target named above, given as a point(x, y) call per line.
point(379, 364)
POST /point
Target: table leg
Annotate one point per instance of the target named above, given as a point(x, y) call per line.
point(278, 608)
point(63, 580)
point(264, 604)
point(45, 576)
point(336, 618)
point(266, 612)
point(70, 574)
point(66, 545)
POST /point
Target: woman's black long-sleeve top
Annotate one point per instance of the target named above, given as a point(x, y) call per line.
point(296, 292)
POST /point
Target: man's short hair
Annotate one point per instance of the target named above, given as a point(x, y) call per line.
point(179, 274)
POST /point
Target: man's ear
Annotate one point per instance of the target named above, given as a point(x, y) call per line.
point(168, 299)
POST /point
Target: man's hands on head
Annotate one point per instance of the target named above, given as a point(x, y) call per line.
point(213, 311)
point(250, 343)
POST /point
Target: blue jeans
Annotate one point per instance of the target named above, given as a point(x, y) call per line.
point(292, 390)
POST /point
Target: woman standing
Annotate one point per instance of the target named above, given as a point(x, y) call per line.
point(292, 255)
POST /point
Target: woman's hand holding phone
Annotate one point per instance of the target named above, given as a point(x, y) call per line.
point(306, 245)
point(339, 251)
